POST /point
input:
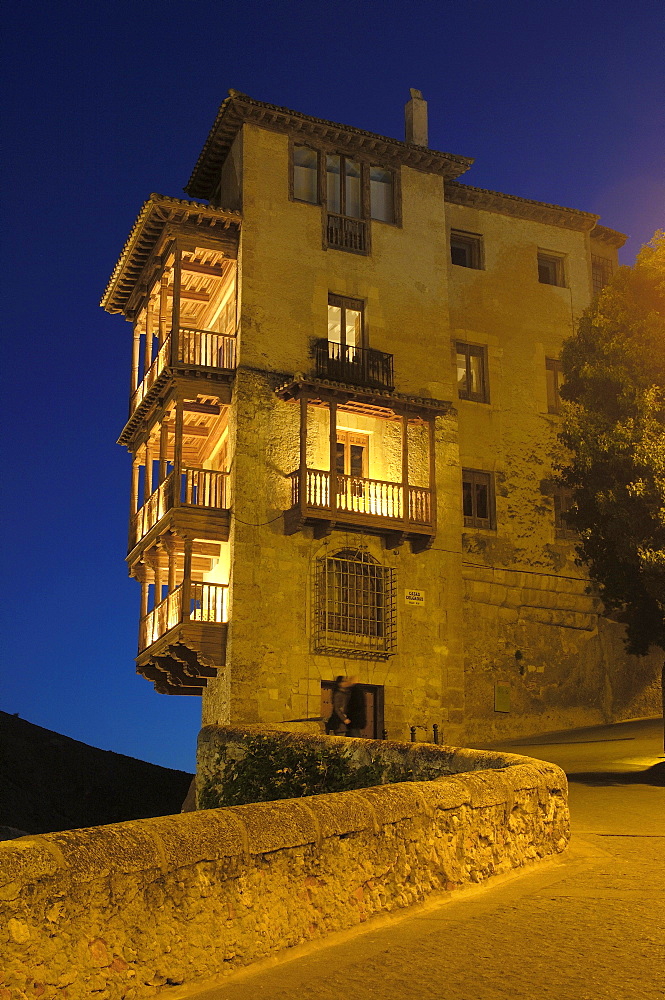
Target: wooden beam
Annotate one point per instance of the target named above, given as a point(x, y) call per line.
point(202, 408)
point(190, 294)
point(215, 270)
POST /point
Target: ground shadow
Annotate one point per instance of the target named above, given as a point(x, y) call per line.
point(654, 775)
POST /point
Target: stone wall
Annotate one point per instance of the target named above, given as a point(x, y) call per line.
point(125, 909)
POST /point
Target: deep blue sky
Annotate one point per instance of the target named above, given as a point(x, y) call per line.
point(110, 101)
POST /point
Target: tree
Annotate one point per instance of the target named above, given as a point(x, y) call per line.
point(614, 432)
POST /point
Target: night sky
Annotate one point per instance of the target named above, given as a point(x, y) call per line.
point(108, 102)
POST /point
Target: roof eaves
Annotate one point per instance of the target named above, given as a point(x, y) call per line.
point(510, 204)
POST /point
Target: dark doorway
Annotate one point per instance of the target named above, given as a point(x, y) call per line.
point(374, 699)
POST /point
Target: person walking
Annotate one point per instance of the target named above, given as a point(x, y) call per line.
point(356, 707)
point(339, 720)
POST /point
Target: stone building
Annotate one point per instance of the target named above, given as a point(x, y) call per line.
point(344, 403)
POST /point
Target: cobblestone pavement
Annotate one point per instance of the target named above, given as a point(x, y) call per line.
point(589, 925)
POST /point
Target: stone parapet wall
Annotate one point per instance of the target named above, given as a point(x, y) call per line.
point(120, 910)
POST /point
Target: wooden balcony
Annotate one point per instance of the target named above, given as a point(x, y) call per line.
point(345, 233)
point(200, 349)
point(182, 641)
point(363, 504)
point(199, 488)
point(197, 602)
point(354, 365)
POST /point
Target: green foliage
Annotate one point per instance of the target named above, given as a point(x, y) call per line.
point(265, 768)
point(614, 430)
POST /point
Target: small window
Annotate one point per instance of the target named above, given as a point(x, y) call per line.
point(563, 501)
point(306, 174)
point(466, 249)
point(381, 194)
point(477, 499)
point(472, 382)
point(601, 273)
point(550, 269)
point(355, 605)
point(554, 379)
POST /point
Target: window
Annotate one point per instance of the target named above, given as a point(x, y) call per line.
point(554, 378)
point(472, 382)
point(306, 174)
point(466, 249)
point(477, 499)
point(345, 324)
point(601, 272)
point(550, 269)
point(381, 194)
point(355, 604)
point(563, 501)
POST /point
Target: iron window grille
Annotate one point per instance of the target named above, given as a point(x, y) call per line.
point(478, 499)
point(466, 249)
point(472, 381)
point(355, 605)
point(601, 272)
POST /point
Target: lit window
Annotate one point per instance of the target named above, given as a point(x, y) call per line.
point(554, 378)
point(550, 269)
point(477, 499)
point(472, 382)
point(601, 273)
point(466, 249)
point(355, 604)
point(306, 174)
point(381, 195)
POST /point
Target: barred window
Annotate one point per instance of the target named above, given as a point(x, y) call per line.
point(563, 501)
point(601, 272)
point(355, 605)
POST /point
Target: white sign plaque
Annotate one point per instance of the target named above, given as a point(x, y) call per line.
point(415, 598)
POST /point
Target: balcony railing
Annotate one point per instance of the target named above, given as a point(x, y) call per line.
point(203, 348)
point(372, 497)
point(357, 365)
point(208, 602)
point(198, 488)
point(346, 233)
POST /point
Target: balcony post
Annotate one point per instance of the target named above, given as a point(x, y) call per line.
point(177, 450)
point(175, 308)
point(136, 351)
point(186, 578)
point(157, 569)
point(169, 545)
point(405, 469)
point(147, 478)
point(140, 572)
point(163, 445)
point(163, 307)
point(133, 503)
point(302, 471)
point(432, 470)
point(149, 316)
point(332, 482)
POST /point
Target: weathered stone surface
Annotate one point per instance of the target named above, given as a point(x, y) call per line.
point(127, 908)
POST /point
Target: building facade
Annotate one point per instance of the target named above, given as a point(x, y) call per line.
point(343, 415)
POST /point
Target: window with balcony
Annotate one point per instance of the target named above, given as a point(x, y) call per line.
point(472, 380)
point(355, 605)
point(550, 269)
point(354, 192)
point(478, 499)
point(466, 249)
point(553, 375)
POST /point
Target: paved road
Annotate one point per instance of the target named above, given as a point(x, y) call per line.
point(589, 925)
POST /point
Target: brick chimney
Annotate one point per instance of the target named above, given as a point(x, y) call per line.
point(415, 119)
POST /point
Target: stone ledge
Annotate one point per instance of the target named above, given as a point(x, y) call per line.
point(127, 908)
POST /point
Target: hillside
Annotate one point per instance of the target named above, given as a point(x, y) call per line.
point(50, 782)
